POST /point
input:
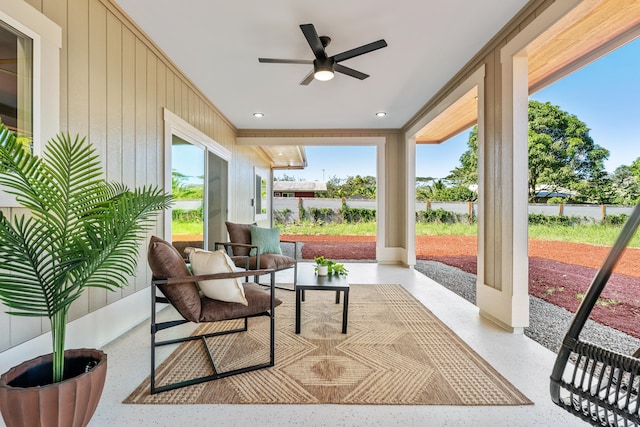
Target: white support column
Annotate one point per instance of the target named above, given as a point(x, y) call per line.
point(506, 302)
point(506, 299)
point(503, 263)
point(410, 161)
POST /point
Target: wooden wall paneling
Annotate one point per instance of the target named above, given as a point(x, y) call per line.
point(21, 328)
point(5, 325)
point(140, 113)
point(5, 319)
point(150, 146)
point(193, 105)
point(170, 102)
point(56, 10)
point(78, 71)
point(492, 233)
point(78, 96)
point(208, 116)
point(394, 156)
point(184, 93)
point(24, 328)
point(195, 111)
point(37, 4)
point(98, 106)
point(203, 113)
point(216, 130)
point(114, 101)
point(128, 107)
point(128, 119)
point(114, 111)
point(161, 96)
point(177, 93)
point(141, 131)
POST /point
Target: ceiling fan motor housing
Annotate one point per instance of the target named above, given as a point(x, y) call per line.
point(324, 69)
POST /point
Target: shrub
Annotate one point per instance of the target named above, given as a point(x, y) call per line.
point(188, 215)
point(615, 219)
point(284, 216)
point(542, 219)
point(322, 215)
point(355, 215)
point(442, 216)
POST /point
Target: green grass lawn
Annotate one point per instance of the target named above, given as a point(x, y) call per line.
point(190, 228)
point(591, 234)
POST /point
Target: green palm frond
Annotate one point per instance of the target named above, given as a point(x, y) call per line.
point(82, 231)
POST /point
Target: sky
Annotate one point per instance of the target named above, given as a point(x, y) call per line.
point(605, 95)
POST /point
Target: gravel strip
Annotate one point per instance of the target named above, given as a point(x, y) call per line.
point(548, 323)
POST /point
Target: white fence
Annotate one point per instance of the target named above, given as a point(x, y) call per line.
point(595, 212)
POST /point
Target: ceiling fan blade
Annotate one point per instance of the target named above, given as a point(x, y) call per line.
point(311, 35)
point(284, 61)
point(360, 50)
point(351, 72)
point(308, 79)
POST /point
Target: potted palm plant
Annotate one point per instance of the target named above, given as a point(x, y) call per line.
point(80, 231)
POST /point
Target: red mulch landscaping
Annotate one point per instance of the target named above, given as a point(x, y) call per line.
point(559, 272)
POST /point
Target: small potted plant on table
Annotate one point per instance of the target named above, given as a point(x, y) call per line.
point(327, 267)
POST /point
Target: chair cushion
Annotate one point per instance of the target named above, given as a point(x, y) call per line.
point(258, 298)
point(165, 262)
point(272, 262)
point(266, 239)
point(206, 262)
point(239, 233)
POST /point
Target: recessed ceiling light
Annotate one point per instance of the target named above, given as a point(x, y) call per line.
point(258, 115)
point(381, 114)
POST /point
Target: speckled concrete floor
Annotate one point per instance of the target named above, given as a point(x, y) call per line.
point(525, 363)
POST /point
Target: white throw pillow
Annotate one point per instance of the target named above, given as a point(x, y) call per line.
point(228, 290)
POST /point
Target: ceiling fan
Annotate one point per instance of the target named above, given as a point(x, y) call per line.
point(324, 66)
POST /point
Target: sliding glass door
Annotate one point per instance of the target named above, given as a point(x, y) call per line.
point(217, 200)
point(199, 170)
point(188, 189)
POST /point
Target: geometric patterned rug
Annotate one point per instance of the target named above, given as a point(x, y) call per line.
point(395, 352)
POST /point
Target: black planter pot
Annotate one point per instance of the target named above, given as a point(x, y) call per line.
point(29, 399)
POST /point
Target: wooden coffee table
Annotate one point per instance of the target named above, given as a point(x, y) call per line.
point(312, 282)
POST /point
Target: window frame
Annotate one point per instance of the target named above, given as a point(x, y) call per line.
point(47, 42)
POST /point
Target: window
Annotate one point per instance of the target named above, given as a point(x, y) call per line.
point(16, 81)
point(29, 76)
point(260, 200)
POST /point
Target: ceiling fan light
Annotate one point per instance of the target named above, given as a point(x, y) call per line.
point(323, 75)
point(323, 69)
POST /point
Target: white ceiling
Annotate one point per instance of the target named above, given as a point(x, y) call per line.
point(216, 43)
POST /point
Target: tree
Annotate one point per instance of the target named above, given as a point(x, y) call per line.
point(467, 172)
point(181, 189)
point(634, 168)
point(442, 191)
point(285, 177)
point(625, 185)
point(364, 186)
point(561, 153)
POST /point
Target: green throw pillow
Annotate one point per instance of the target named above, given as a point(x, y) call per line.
point(266, 239)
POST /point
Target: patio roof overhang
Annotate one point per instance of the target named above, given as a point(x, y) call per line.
point(591, 30)
point(285, 156)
